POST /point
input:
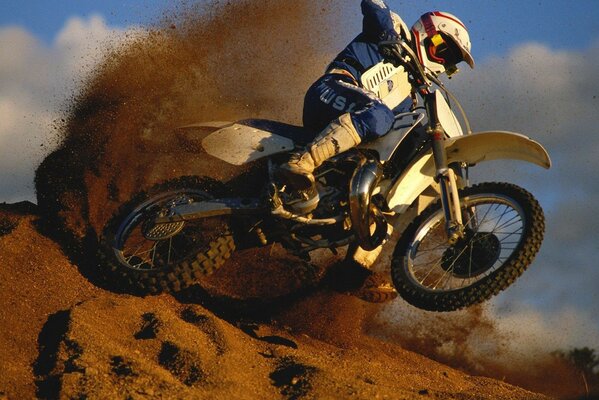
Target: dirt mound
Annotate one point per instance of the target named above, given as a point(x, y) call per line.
point(64, 337)
point(106, 352)
point(36, 280)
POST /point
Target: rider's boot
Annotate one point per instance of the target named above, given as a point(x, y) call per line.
point(372, 287)
point(340, 135)
point(375, 288)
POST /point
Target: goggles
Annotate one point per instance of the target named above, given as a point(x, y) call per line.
point(443, 50)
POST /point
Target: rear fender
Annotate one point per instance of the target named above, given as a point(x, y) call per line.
point(239, 144)
point(470, 149)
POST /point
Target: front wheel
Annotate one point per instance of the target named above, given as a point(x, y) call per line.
point(504, 227)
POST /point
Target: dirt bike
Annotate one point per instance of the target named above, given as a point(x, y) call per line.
point(463, 245)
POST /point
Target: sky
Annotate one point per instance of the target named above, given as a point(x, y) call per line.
point(536, 73)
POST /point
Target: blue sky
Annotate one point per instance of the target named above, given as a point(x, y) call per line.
point(46, 18)
point(495, 25)
point(536, 74)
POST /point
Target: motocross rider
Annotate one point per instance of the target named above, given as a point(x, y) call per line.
point(345, 112)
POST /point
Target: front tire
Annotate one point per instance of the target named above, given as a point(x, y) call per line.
point(166, 258)
point(504, 231)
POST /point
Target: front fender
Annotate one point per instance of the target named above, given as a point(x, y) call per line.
point(487, 146)
point(471, 149)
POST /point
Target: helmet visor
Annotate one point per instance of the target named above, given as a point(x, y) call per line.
point(443, 50)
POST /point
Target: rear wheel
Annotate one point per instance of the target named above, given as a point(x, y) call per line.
point(166, 257)
point(504, 231)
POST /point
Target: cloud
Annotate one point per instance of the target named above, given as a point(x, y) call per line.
point(35, 84)
point(549, 95)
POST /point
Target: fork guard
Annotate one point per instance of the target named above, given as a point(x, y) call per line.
point(363, 212)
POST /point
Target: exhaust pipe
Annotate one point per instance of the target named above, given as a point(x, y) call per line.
point(363, 212)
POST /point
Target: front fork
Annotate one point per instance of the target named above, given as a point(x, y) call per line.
point(448, 182)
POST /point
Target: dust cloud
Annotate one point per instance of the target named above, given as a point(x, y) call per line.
point(473, 341)
point(209, 61)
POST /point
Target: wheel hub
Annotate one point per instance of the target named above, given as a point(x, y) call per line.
point(473, 255)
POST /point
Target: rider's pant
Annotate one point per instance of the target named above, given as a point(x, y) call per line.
point(333, 95)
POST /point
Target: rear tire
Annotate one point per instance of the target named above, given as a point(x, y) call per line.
point(135, 255)
point(432, 275)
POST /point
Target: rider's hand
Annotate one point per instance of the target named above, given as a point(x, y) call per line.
point(389, 49)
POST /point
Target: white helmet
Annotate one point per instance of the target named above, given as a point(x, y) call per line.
point(441, 41)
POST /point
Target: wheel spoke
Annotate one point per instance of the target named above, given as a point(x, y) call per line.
point(140, 254)
point(470, 261)
point(508, 224)
point(429, 272)
point(485, 216)
point(432, 249)
point(505, 211)
point(154, 253)
point(446, 273)
point(136, 253)
point(518, 231)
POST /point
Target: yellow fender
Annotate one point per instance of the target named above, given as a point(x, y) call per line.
point(471, 149)
point(487, 146)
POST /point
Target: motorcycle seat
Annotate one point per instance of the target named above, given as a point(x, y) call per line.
point(300, 135)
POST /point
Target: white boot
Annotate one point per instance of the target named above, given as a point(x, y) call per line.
point(367, 258)
point(374, 288)
point(339, 136)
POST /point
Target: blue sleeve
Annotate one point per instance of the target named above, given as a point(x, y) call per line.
point(377, 23)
